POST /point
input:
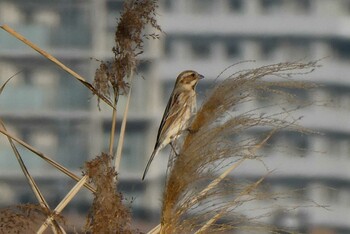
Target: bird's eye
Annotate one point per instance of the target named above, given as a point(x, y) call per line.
point(193, 75)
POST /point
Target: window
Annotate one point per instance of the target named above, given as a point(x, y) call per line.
point(235, 5)
point(8, 162)
point(292, 143)
point(268, 48)
point(200, 48)
point(300, 142)
point(168, 5)
point(233, 49)
point(271, 5)
point(339, 95)
point(292, 220)
point(297, 6)
point(304, 5)
point(285, 6)
point(285, 49)
point(114, 9)
point(202, 6)
point(133, 148)
point(294, 49)
point(168, 46)
point(341, 48)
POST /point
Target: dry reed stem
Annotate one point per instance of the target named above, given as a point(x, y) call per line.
point(155, 230)
point(123, 126)
point(114, 122)
point(229, 169)
point(222, 212)
point(56, 228)
point(214, 183)
point(63, 203)
point(8, 80)
point(47, 159)
point(56, 61)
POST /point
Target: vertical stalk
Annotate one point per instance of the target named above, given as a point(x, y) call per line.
point(123, 126)
point(114, 122)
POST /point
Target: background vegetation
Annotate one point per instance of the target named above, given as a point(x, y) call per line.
point(198, 195)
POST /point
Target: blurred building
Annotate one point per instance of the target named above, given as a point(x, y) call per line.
point(48, 109)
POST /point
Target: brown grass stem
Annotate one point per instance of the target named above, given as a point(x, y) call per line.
point(155, 230)
point(123, 126)
point(47, 159)
point(56, 228)
point(8, 80)
point(114, 122)
point(56, 61)
point(64, 203)
point(231, 168)
point(214, 183)
point(222, 212)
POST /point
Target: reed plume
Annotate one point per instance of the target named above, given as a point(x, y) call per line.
point(218, 137)
point(107, 213)
point(129, 43)
point(117, 75)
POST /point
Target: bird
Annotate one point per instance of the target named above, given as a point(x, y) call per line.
point(181, 106)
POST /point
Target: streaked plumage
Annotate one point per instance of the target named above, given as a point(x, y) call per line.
point(180, 107)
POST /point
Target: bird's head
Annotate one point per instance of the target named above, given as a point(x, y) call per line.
point(188, 79)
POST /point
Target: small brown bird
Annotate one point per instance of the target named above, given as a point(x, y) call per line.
point(181, 105)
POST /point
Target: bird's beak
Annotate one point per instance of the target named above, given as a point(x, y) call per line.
point(200, 76)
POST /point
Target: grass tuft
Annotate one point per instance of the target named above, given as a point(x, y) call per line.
point(218, 138)
point(24, 218)
point(129, 43)
point(107, 213)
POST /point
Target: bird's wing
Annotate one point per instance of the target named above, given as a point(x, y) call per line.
point(174, 108)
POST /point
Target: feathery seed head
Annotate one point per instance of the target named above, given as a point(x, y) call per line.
point(217, 138)
point(130, 33)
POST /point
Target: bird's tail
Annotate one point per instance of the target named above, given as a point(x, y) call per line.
point(155, 151)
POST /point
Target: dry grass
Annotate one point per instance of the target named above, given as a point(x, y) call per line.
point(24, 218)
point(44, 205)
point(117, 75)
point(55, 61)
point(198, 195)
point(129, 42)
point(107, 214)
point(212, 144)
